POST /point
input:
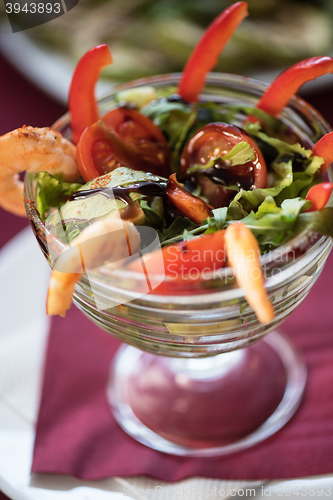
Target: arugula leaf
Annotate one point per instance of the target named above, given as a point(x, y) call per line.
point(187, 235)
point(210, 112)
point(217, 221)
point(170, 117)
point(174, 119)
point(270, 122)
point(175, 230)
point(274, 229)
point(52, 192)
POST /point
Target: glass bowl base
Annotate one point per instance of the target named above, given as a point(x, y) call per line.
point(207, 406)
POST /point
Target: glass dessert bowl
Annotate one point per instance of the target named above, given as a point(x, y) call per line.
point(199, 377)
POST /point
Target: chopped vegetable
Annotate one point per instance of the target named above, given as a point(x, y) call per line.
point(189, 205)
point(324, 149)
point(243, 255)
point(185, 262)
point(287, 84)
point(123, 137)
point(82, 102)
point(205, 54)
point(319, 194)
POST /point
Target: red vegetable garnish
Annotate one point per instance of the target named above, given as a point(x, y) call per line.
point(218, 139)
point(324, 149)
point(189, 205)
point(319, 194)
point(82, 102)
point(185, 263)
point(205, 54)
point(287, 84)
point(123, 137)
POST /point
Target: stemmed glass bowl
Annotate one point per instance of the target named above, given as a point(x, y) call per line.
point(198, 376)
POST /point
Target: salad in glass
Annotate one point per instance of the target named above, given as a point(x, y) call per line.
point(220, 184)
point(229, 178)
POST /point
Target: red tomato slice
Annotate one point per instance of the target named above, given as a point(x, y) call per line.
point(217, 139)
point(123, 137)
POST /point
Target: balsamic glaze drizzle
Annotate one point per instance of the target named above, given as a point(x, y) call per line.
point(146, 188)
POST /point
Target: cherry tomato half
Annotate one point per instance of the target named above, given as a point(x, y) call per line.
point(212, 141)
point(123, 137)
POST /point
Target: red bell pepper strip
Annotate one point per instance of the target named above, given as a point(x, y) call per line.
point(205, 54)
point(287, 83)
point(189, 205)
point(324, 149)
point(83, 107)
point(319, 194)
point(185, 263)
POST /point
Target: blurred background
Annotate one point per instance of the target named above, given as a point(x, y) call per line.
point(156, 36)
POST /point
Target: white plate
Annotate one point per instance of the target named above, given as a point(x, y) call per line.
point(49, 70)
point(24, 325)
point(52, 71)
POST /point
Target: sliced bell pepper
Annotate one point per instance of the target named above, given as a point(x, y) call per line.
point(324, 149)
point(205, 54)
point(319, 194)
point(82, 104)
point(189, 205)
point(287, 83)
point(185, 263)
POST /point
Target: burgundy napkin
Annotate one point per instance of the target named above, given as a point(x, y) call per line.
point(76, 433)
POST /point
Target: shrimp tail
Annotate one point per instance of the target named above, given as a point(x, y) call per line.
point(61, 289)
point(11, 197)
point(243, 255)
point(104, 241)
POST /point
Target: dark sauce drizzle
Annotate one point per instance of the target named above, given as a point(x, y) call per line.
point(145, 188)
point(239, 175)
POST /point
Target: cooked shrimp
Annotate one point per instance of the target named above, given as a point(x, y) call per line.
point(244, 257)
point(106, 240)
point(32, 149)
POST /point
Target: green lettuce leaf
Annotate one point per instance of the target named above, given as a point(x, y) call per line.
point(174, 232)
point(239, 154)
point(154, 212)
point(274, 229)
point(319, 221)
point(250, 200)
point(174, 119)
point(217, 221)
point(66, 232)
point(52, 192)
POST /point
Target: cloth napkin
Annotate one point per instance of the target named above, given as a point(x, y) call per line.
point(76, 433)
